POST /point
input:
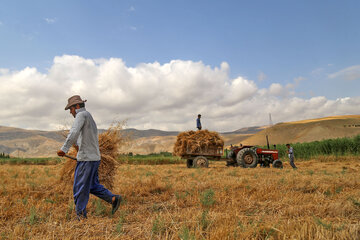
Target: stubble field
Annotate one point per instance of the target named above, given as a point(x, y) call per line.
point(320, 200)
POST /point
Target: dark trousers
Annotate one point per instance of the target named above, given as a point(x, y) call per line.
point(292, 162)
point(86, 181)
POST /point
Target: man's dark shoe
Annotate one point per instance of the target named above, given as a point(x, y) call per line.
point(81, 217)
point(116, 203)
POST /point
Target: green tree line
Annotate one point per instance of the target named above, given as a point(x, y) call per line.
point(4, 155)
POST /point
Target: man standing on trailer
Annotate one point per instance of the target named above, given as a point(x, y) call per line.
point(198, 123)
point(84, 134)
point(290, 153)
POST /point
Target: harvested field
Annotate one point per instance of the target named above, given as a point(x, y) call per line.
point(320, 200)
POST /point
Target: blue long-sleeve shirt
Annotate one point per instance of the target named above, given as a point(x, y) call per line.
point(198, 123)
point(84, 132)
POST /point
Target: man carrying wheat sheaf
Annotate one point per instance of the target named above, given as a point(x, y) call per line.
point(84, 135)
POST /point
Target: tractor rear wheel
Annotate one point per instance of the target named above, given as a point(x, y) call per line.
point(200, 162)
point(189, 163)
point(247, 158)
point(277, 164)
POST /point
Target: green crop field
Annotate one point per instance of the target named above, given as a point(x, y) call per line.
point(31, 161)
point(330, 147)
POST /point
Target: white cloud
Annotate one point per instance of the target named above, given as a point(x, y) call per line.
point(349, 74)
point(239, 90)
point(133, 28)
point(277, 89)
point(4, 71)
point(50, 20)
point(297, 80)
point(317, 71)
point(295, 83)
point(152, 95)
point(132, 8)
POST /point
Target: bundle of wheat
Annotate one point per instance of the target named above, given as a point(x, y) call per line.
point(109, 144)
point(196, 141)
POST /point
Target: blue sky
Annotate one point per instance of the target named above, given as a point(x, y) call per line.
point(285, 42)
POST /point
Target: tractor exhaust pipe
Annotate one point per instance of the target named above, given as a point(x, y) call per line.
point(267, 141)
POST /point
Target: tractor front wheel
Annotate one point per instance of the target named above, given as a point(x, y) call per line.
point(277, 164)
point(200, 162)
point(247, 158)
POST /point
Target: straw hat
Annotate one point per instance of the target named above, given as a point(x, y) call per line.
point(76, 99)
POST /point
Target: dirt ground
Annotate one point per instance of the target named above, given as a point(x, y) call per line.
point(320, 200)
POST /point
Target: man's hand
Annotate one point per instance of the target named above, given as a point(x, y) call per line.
point(60, 153)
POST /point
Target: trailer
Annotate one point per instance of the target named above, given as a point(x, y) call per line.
point(200, 158)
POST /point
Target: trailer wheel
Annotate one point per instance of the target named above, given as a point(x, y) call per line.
point(200, 162)
point(189, 163)
point(277, 164)
point(247, 158)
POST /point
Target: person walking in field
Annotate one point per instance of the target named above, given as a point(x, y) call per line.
point(290, 153)
point(198, 122)
point(84, 135)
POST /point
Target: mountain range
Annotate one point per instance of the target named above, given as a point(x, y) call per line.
point(36, 143)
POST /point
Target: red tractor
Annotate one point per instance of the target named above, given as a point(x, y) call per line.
point(251, 156)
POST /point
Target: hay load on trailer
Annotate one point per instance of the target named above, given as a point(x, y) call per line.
point(198, 147)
